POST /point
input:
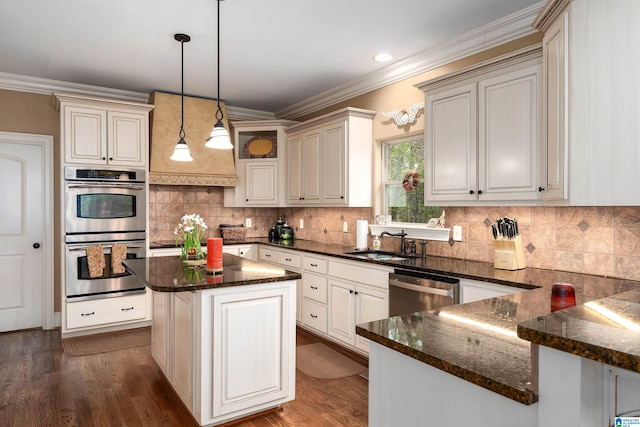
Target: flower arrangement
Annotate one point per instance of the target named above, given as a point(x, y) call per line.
point(190, 231)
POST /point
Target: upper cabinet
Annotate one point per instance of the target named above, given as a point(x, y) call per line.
point(330, 160)
point(260, 163)
point(97, 131)
point(591, 102)
point(483, 133)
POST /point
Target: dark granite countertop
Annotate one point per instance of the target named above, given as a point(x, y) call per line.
point(168, 274)
point(606, 330)
point(482, 341)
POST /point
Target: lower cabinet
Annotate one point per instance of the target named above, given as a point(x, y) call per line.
point(245, 251)
point(475, 290)
point(227, 352)
point(104, 312)
point(289, 260)
point(352, 304)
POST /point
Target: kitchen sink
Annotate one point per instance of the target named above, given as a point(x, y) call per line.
point(380, 255)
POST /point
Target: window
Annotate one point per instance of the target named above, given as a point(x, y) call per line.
point(401, 159)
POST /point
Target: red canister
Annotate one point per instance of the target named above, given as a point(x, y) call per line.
point(563, 295)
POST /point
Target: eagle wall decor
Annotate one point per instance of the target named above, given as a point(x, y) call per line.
point(402, 117)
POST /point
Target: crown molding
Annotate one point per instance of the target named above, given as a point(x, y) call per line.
point(239, 113)
point(504, 30)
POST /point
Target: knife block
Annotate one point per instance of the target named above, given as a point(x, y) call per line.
point(509, 254)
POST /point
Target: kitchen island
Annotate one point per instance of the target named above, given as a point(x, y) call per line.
point(225, 342)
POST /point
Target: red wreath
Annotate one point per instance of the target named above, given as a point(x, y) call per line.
point(411, 181)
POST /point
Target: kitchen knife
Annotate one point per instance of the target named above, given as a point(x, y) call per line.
point(495, 231)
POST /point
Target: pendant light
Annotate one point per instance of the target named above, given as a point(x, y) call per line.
point(219, 137)
point(181, 152)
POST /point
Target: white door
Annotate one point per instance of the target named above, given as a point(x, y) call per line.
point(24, 236)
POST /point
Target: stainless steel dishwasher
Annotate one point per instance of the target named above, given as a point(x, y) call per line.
point(411, 291)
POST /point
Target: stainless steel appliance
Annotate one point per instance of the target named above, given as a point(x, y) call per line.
point(103, 207)
point(104, 201)
point(411, 291)
point(80, 286)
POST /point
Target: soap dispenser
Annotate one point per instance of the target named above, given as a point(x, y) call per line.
point(376, 242)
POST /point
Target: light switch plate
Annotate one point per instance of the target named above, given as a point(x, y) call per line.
point(301, 224)
point(345, 227)
point(457, 233)
point(247, 222)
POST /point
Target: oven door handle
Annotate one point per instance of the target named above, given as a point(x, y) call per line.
point(84, 247)
point(97, 185)
point(423, 289)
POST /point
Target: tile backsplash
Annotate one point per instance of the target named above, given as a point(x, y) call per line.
point(592, 240)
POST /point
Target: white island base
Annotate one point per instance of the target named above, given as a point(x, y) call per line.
point(227, 352)
point(407, 392)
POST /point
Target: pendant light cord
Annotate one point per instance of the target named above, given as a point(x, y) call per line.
point(219, 115)
point(182, 133)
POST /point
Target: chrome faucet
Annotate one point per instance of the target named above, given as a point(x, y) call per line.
point(402, 235)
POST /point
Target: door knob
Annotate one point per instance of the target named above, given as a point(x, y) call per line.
point(36, 245)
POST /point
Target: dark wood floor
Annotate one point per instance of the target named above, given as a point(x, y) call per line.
point(41, 386)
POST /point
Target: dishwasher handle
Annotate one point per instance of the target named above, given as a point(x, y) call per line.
point(423, 289)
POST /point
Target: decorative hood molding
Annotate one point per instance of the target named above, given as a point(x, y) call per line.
point(209, 167)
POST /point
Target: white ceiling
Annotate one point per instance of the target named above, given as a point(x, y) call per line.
point(274, 53)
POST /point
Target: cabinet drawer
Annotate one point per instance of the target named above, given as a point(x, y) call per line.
point(314, 315)
point(289, 259)
point(361, 272)
point(268, 255)
point(108, 310)
point(317, 265)
point(314, 286)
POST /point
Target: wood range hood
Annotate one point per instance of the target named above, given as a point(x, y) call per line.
point(210, 167)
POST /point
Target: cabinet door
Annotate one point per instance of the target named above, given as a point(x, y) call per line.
point(555, 121)
point(127, 138)
point(261, 184)
point(257, 322)
point(342, 312)
point(450, 151)
point(509, 111)
point(371, 304)
point(181, 359)
point(334, 164)
point(311, 166)
point(85, 135)
point(294, 170)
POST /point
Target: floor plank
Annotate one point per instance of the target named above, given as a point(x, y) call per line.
point(41, 386)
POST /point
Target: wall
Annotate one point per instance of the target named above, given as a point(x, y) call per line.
point(33, 113)
point(592, 240)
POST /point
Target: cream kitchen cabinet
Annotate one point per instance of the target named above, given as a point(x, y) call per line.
point(357, 293)
point(314, 293)
point(289, 260)
point(260, 155)
point(98, 131)
point(591, 63)
point(330, 159)
point(483, 133)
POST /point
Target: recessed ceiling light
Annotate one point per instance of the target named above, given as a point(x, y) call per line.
point(383, 57)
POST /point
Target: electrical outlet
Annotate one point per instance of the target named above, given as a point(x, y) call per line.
point(457, 233)
point(345, 227)
point(247, 222)
point(301, 224)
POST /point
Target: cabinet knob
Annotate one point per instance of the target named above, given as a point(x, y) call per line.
point(104, 158)
point(472, 192)
point(342, 197)
point(247, 200)
point(350, 291)
point(356, 292)
point(540, 189)
point(479, 191)
point(36, 245)
point(110, 158)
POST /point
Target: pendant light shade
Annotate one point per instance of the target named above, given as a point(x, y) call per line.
point(219, 137)
point(181, 152)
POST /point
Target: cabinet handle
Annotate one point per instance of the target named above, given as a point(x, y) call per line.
point(126, 309)
point(288, 259)
point(479, 191)
point(540, 189)
point(315, 288)
point(88, 314)
point(356, 292)
point(268, 256)
point(313, 316)
point(350, 291)
point(314, 265)
point(471, 192)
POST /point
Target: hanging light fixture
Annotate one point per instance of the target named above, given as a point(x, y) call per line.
point(181, 152)
point(219, 137)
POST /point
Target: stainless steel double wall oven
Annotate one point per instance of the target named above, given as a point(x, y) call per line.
point(103, 207)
